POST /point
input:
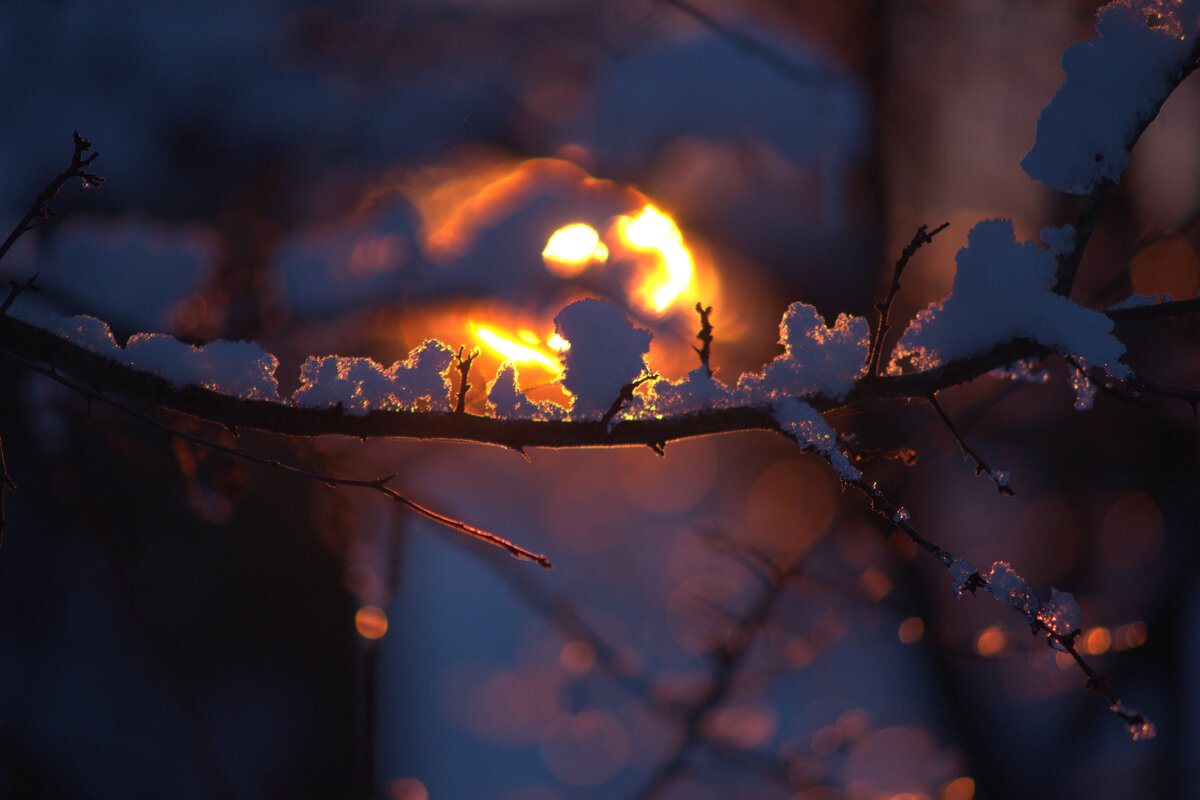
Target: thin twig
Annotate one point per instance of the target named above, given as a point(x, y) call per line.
point(922, 237)
point(705, 336)
point(1000, 478)
point(760, 51)
point(29, 285)
point(625, 396)
point(40, 208)
point(727, 660)
point(464, 368)
point(375, 484)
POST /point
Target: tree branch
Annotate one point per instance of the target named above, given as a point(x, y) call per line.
point(921, 237)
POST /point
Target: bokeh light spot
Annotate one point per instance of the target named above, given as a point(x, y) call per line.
point(371, 622)
point(585, 749)
point(911, 630)
point(407, 789)
point(990, 642)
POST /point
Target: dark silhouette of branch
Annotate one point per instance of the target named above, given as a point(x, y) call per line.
point(464, 368)
point(1000, 478)
point(922, 237)
point(1153, 311)
point(375, 484)
point(40, 208)
point(705, 336)
point(727, 657)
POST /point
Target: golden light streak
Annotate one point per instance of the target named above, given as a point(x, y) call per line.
point(653, 230)
point(572, 248)
point(515, 351)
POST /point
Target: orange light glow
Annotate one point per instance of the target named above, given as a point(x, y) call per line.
point(958, 789)
point(653, 230)
point(523, 354)
point(911, 630)
point(371, 622)
point(990, 642)
point(1097, 641)
point(572, 248)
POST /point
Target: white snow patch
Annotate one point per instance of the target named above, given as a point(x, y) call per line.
point(1061, 615)
point(813, 433)
point(1115, 84)
point(238, 369)
point(817, 359)
point(509, 402)
point(1001, 293)
point(698, 391)
point(961, 571)
point(1010, 588)
point(607, 353)
point(362, 385)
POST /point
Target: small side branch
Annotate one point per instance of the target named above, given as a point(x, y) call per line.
point(41, 208)
point(705, 336)
point(626, 396)
point(922, 237)
point(29, 285)
point(999, 477)
point(464, 368)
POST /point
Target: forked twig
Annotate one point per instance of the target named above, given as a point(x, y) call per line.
point(999, 477)
point(922, 237)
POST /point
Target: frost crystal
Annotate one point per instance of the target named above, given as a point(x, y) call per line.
point(961, 571)
point(362, 385)
point(817, 359)
point(901, 515)
point(607, 353)
point(509, 402)
point(813, 433)
point(1061, 615)
point(1001, 293)
point(1114, 86)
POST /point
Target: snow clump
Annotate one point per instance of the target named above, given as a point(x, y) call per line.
point(811, 430)
point(1001, 292)
point(238, 369)
point(607, 353)
point(509, 402)
point(362, 385)
point(696, 392)
point(1115, 84)
point(817, 359)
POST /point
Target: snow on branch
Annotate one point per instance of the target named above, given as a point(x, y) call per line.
point(1116, 82)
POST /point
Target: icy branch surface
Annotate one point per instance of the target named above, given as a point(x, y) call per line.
point(1115, 84)
point(1001, 292)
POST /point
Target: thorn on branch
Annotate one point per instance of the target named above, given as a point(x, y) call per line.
point(705, 337)
point(464, 368)
point(922, 237)
point(41, 208)
point(859, 454)
point(625, 396)
point(999, 477)
point(659, 448)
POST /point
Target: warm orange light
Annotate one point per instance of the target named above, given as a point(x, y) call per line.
point(524, 354)
point(958, 789)
point(653, 230)
point(911, 630)
point(1097, 641)
point(371, 622)
point(572, 248)
point(990, 642)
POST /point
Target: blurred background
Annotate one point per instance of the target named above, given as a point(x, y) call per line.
point(724, 622)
